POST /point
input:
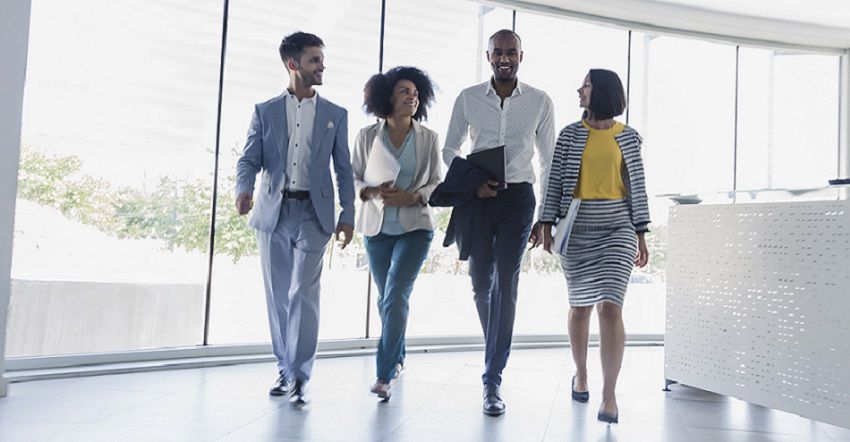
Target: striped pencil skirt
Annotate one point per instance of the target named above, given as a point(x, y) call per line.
point(600, 253)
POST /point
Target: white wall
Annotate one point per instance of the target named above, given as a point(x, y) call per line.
point(14, 34)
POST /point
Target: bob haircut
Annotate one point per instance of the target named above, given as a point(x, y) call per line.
point(607, 99)
point(379, 91)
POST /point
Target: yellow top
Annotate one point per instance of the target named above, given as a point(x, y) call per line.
point(599, 177)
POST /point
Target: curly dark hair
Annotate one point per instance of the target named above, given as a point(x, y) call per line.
point(292, 46)
point(379, 91)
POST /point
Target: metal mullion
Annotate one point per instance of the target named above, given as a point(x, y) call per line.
point(735, 124)
point(628, 76)
point(208, 288)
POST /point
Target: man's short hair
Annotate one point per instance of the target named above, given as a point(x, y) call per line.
point(292, 46)
point(503, 33)
point(379, 91)
point(607, 99)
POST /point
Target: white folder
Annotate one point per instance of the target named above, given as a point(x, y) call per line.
point(381, 166)
point(563, 228)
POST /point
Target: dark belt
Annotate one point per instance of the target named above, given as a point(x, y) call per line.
point(295, 194)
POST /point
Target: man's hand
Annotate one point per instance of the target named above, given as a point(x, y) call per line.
point(395, 197)
point(244, 203)
point(546, 233)
point(642, 258)
point(535, 238)
point(347, 231)
point(487, 190)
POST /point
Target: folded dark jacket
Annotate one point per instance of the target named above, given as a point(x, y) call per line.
point(458, 191)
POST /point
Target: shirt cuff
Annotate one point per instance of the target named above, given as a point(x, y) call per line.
point(642, 228)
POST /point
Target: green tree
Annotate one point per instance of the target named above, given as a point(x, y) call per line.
point(177, 211)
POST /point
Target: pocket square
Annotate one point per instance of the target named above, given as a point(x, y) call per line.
point(330, 124)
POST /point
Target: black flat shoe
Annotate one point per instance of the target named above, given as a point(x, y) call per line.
point(609, 418)
point(580, 396)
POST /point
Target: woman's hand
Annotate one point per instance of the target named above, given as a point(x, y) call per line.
point(395, 197)
point(373, 192)
point(547, 237)
point(642, 257)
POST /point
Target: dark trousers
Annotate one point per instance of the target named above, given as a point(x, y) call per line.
point(494, 265)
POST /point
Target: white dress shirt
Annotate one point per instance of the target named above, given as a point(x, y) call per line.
point(526, 118)
point(299, 119)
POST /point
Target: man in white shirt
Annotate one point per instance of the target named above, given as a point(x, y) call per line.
point(292, 139)
point(502, 112)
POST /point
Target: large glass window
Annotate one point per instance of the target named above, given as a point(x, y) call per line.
point(255, 73)
point(683, 100)
point(113, 210)
point(787, 119)
point(115, 185)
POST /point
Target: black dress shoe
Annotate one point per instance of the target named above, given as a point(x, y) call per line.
point(493, 404)
point(280, 387)
point(299, 393)
point(605, 417)
point(580, 396)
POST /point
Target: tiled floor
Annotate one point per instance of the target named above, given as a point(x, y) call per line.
point(438, 398)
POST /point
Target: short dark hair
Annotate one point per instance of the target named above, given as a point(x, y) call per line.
point(379, 91)
point(292, 46)
point(607, 99)
point(502, 33)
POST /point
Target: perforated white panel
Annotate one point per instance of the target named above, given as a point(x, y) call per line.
point(758, 304)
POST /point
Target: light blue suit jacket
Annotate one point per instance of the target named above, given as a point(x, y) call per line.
point(266, 151)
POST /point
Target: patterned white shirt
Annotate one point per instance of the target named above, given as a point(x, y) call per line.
point(526, 118)
point(299, 119)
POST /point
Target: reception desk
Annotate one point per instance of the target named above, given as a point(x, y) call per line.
point(758, 304)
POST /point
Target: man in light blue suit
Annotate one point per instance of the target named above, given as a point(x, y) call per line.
point(291, 142)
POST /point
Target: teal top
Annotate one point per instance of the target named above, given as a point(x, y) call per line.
point(406, 156)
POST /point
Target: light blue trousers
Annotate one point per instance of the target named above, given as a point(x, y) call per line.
point(291, 259)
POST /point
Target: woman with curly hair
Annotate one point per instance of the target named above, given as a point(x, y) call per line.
point(394, 218)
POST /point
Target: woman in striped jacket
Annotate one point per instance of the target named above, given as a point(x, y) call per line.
point(596, 194)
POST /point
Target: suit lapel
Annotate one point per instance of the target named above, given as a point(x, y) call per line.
point(280, 127)
point(320, 124)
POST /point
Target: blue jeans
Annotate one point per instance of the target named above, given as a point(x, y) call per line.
point(395, 261)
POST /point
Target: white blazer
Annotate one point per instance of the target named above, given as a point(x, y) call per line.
point(426, 177)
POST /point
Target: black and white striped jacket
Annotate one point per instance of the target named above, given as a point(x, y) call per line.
point(564, 171)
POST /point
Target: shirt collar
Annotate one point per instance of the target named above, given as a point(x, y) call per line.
point(517, 89)
point(292, 96)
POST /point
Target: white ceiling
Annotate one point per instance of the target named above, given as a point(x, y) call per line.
point(834, 13)
point(803, 23)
